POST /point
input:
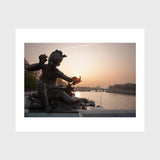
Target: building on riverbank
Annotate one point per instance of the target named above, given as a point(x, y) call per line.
point(128, 88)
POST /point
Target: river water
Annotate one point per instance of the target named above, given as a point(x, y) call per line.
point(111, 101)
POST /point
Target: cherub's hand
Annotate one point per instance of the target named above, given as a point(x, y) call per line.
point(76, 80)
point(42, 58)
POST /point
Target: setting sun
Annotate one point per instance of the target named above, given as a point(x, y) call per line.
point(78, 76)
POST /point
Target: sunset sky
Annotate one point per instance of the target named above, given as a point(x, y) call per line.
point(99, 64)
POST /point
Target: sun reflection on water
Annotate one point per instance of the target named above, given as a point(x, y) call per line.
point(77, 94)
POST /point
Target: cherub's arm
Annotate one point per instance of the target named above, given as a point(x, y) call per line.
point(38, 66)
point(35, 67)
point(63, 76)
point(69, 79)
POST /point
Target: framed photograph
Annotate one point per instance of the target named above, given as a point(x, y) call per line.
point(73, 80)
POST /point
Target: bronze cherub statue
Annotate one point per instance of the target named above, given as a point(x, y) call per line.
point(49, 94)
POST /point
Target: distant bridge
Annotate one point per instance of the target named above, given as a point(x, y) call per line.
point(90, 89)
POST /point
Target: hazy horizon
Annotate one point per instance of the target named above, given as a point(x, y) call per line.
point(99, 64)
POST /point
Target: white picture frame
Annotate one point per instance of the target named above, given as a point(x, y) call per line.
point(87, 124)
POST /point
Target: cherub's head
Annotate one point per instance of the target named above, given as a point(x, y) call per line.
point(56, 58)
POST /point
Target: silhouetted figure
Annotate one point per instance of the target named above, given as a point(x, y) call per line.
point(48, 89)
